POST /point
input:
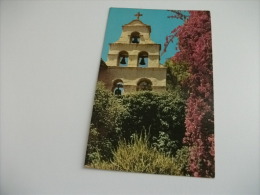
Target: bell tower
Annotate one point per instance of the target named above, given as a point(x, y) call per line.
point(134, 60)
point(134, 48)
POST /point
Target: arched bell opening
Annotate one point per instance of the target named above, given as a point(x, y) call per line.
point(135, 37)
point(144, 85)
point(118, 87)
point(122, 58)
point(142, 59)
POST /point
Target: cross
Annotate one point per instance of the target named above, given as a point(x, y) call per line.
point(138, 15)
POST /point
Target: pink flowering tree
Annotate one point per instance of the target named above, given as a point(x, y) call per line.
point(195, 49)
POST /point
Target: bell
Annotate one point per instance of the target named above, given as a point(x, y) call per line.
point(123, 61)
point(142, 62)
point(118, 91)
point(135, 40)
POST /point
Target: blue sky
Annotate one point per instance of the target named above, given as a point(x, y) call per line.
point(161, 27)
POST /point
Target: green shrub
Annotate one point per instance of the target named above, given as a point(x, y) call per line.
point(164, 144)
point(114, 118)
point(155, 112)
point(138, 156)
point(99, 147)
point(107, 110)
point(182, 160)
point(105, 125)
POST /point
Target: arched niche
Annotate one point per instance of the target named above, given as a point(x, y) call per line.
point(135, 37)
point(142, 59)
point(122, 58)
point(118, 87)
point(144, 84)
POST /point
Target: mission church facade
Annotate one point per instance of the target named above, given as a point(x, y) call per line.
point(133, 61)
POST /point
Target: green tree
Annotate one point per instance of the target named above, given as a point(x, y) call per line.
point(105, 124)
point(177, 77)
point(154, 112)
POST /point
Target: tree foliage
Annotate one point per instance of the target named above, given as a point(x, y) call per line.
point(159, 114)
point(105, 124)
point(154, 112)
point(163, 143)
point(107, 110)
point(177, 77)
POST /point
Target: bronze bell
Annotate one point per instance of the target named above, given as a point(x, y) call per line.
point(123, 61)
point(118, 91)
point(142, 62)
point(135, 40)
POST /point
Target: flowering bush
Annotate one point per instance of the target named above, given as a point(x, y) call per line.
point(195, 49)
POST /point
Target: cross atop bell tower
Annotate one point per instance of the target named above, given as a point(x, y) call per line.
point(138, 15)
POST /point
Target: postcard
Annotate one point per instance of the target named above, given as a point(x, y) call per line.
point(153, 110)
